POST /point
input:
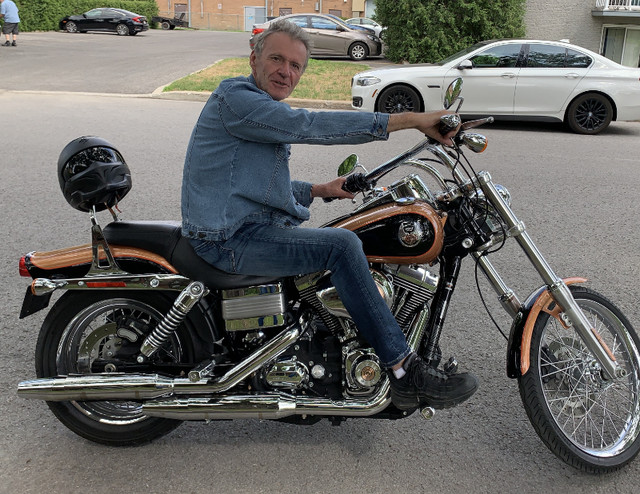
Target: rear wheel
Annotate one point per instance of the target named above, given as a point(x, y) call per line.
point(122, 30)
point(589, 422)
point(590, 113)
point(88, 333)
point(166, 25)
point(71, 27)
point(398, 99)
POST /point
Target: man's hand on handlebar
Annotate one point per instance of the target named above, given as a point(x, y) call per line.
point(427, 123)
point(331, 189)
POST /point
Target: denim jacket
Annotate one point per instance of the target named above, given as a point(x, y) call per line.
point(236, 169)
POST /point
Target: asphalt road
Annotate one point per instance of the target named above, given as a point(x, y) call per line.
point(577, 195)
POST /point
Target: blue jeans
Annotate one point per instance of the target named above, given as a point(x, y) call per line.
point(270, 250)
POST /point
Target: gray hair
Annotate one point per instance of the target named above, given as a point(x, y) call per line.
point(292, 30)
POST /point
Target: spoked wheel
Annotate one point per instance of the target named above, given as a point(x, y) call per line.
point(358, 51)
point(590, 113)
point(89, 333)
point(590, 422)
point(71, 27)
point(398, 99)
point(122, 30)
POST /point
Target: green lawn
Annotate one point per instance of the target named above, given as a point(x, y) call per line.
point(323, 80)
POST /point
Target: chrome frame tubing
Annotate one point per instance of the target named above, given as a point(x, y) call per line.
point(173, 282)
point(573, 315)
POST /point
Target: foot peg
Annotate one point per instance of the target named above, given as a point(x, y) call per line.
point(451, 367)
point(427, 412)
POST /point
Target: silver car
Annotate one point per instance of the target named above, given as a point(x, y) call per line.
point(331, 36)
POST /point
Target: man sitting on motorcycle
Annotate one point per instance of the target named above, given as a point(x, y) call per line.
point(242, 211)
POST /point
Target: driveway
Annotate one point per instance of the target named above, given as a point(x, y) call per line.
point(107, 63)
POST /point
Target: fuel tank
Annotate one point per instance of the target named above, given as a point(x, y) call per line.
point(402, 232)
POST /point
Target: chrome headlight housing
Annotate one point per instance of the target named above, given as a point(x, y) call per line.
point(367, 80)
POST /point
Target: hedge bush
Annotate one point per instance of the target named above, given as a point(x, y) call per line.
point(45, 15)
point(426, 31)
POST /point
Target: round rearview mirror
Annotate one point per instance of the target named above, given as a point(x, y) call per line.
point(452, 93)
point(348, 165)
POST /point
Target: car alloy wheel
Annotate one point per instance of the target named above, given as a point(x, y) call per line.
point(589, 113)
point(122, 29)
point(399, 99)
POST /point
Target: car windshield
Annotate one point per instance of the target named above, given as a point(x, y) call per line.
point(469, 49)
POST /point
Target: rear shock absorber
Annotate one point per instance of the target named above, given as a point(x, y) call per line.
point(163, 331)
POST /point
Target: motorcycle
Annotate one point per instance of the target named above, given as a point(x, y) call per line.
point(146, 334)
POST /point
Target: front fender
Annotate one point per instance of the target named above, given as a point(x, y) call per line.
point(522, 328)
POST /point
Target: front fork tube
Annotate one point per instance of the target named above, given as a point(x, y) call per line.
point(572, 314)
point(450, 271)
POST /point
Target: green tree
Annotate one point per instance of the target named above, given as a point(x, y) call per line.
point(419, 31)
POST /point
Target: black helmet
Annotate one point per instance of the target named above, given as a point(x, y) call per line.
point(92, 173)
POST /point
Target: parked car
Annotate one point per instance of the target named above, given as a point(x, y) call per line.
point(330, 37)
point(512, 79)
point(366, 22)
point(357, 27)
point(119, 21)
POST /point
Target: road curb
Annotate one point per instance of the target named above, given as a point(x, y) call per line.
point(294, 102)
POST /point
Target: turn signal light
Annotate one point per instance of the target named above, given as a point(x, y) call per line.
point(22, 267)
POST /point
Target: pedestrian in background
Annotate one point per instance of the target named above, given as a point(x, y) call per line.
point(9, 12)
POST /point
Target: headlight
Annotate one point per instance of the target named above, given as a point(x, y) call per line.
point(373, 38)
point(367, 81)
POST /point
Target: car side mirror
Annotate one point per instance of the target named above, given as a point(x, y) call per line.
point(465, 64)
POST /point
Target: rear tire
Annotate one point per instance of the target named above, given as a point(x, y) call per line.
point(85, 333)
point(122, 30)
point(166, 25)
point(589, 113)
point(590, 423)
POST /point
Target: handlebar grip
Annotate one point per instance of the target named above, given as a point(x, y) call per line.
point(448, 123)
point(355, 183)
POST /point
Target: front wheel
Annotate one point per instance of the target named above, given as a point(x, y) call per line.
point(87, 333)
point(71, 27)
point(398, 99)
point(166, 25)
point(591, 423)
point(358, 51)
point(590, 113)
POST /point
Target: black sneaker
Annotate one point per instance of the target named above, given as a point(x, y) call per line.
point(7, 43)
point(423, 385)
point(14, 44)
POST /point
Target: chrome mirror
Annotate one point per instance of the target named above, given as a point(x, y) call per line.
point(348, 165)
point(452, 94)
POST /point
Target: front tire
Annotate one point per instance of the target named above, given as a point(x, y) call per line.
point(166, 25)
point(589, 113)
point(590, 423)
point(398, 99)
point(71, 27)
point(358, 51)
point(87, 333)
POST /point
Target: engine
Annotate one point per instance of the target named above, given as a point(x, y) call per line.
point(330, 358)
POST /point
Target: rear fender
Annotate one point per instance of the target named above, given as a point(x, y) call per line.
point(75, 262)
point(519, 346)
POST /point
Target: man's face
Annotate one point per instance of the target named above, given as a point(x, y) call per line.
point(280, 65)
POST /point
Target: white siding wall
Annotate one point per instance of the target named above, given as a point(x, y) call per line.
point(564, 19)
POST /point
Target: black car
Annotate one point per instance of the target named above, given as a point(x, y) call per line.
point(119, 21)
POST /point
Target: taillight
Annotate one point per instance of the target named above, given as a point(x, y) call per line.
point(22, 267)
point(136, 19)
point(257, 30)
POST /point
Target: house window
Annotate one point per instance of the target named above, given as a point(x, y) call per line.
point(285, 11)
point(335, 12)
point(622, 45)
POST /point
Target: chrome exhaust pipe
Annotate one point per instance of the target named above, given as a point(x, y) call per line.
point(265, 406)
point(140, 387)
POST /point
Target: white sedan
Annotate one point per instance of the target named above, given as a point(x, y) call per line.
point(511, 80)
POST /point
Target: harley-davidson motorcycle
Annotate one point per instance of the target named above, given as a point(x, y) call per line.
point(146, 334)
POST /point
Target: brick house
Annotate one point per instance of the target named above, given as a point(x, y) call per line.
point(240, 15)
